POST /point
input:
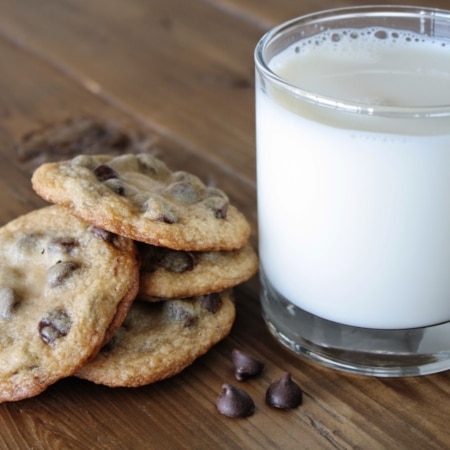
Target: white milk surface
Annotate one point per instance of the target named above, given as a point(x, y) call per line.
point(354, 226)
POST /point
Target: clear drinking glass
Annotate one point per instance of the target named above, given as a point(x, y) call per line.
point(353, 170)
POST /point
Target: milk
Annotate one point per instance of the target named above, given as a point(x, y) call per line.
point(354, 209)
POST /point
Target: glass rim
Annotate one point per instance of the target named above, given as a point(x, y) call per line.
point(336, 103)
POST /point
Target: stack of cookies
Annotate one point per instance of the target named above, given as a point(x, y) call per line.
point(125, 280)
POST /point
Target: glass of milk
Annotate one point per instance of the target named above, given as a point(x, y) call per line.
point(353, 170)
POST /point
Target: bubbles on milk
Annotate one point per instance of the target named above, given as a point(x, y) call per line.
point(369, 67)
point(336, 41)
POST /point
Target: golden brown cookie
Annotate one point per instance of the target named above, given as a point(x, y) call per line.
point(158, 340)
point(65, 287)
point(167, 273)
point(137, 196)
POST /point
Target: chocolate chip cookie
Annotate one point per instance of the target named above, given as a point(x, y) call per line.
point(159, 340)
point(167, 273)
point(139, 197)
point(65, 288)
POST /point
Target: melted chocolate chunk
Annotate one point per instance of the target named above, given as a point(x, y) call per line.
point(159, 210)
point(55, 325)
point(183, 192)
point(284, 393)
point(245, 365)
point(211, 302)
point(104, 172)
point(116, 186)
point(63, 245)
point(218, 205)
point(176, 261)
point(58, 273)
point(217, 201)
point(180, 312)
point(234, 402)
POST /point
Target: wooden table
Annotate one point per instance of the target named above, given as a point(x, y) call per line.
point(182, 71)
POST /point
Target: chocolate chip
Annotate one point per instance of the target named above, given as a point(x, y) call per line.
point(7, 302)
point(218, 205)
point(176, 261)
point(63, 245)
point(216, 200)
point(116, 186)
point(147, 252)
point(211, 302)
point(58, 273)
point(181, 311)
point(55, 325)
point(284, 393)
point(245, 365)
point(234, 402)
point(183, 192)
point(104, 172)
point(159, 210)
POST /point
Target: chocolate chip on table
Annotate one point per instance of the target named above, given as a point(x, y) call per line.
point(7, 302)
point(58, 273)
point(245, 365)
point(284, 393)
point(55, 325)
point(234, 402)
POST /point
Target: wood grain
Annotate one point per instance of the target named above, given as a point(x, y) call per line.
point(183, 73)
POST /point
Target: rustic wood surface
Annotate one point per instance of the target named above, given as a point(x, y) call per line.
point(182, 71)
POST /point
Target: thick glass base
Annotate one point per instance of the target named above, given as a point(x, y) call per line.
point(382, 353)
